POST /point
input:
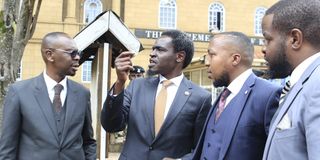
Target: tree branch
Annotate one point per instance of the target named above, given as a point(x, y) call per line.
point(35, 19)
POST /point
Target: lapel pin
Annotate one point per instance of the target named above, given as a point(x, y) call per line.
point(186, 93)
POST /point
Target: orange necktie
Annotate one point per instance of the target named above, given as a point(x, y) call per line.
point(160, 106)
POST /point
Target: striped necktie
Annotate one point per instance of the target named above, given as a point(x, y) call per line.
point(284, 92)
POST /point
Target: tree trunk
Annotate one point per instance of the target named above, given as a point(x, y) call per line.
point(17, 25)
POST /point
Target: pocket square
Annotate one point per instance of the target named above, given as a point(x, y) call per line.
point(285, 123)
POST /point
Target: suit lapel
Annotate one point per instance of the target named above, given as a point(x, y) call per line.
point(288, 101)
point(71, 101)
point(240, 100)
point(42, 97)
point(182, 95)
point(150, 92)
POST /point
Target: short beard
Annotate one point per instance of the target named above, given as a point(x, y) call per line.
point(224, 80)
point(279, 67)
point(151, 73)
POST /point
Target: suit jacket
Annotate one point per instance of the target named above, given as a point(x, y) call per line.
point(299, 138)
point(245, 135)
point(29, 128)
point(135, 107)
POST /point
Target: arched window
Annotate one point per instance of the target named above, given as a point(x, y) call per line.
point(167, 14)
point(92, 8)
point(258, 19)
point(216, 17)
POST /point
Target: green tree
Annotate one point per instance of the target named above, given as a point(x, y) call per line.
point(18, 20)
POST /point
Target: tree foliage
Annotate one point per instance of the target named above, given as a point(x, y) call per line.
point(18, 20)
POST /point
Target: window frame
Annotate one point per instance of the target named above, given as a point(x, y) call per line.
point(258, 15)
point(174, 6)
point(211, 17)
point(86, 72)
point(86, 6)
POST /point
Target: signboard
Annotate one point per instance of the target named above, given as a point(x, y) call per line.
point(196, 37)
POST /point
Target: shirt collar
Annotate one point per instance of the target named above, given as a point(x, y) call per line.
point(298, 71)
point(237, 83)
point(51, 83)
point(176, 80)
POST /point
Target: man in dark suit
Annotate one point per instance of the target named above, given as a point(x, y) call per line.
point(44, 118)
point(158, 128)
point(237, 125)
point(291, 29)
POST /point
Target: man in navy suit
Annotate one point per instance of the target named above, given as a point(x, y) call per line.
point(236, 127)
point(184, 110)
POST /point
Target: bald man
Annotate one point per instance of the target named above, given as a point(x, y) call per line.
point(44, 118)
point(237, 125)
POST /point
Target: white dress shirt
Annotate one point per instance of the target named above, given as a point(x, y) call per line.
point(50, 83)
point(298, 71)
point(171, 90)
point(236, 85)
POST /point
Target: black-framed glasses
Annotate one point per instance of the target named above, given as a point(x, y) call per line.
point(72, 53)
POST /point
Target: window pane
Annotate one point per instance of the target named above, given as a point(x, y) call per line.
point(205, 80)
point(258, 19)
point(195, 76)
point(86, 71)
point(92, 8)
point(216, 17)
point(167, 15)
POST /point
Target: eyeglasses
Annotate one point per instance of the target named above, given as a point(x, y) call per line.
point(72, 53)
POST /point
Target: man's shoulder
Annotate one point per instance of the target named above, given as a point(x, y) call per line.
point(22, 84)
point(267, 85)
point(195, 87)
point(77, 85)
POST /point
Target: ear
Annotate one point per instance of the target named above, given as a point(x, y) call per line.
point(49, 55)
point(180, 56)
point(295, 38)
point(236, 59)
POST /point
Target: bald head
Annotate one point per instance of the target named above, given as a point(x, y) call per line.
point(53, 40)
point(239, 43)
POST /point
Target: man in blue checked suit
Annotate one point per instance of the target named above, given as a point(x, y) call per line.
point(237, 126)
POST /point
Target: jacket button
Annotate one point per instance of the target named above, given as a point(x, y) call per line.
point(150, 148)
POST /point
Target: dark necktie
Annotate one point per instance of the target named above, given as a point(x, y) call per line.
point(284, 92)
point(222, 102)
point(160, 106)
point(56, 99)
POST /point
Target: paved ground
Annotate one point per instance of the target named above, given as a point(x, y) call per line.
point(113, 156)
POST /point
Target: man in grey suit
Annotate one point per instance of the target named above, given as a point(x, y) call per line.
point(155, 132)
point(48, 116)
point(292, 32)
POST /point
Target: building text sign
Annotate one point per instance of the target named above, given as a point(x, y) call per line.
point(196, 37)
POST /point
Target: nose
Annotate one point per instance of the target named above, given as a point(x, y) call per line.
point(77, 57)
point(152, 53)
point(263, 49)
point(206, 60)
